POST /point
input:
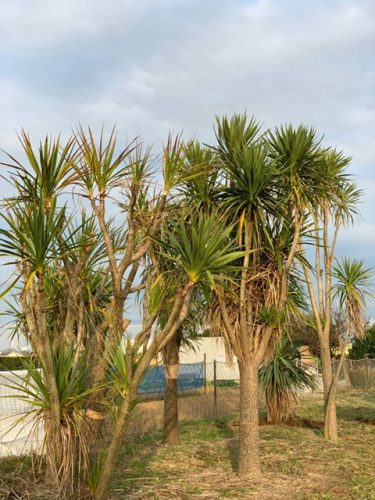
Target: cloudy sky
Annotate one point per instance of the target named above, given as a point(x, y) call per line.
point(151, 66)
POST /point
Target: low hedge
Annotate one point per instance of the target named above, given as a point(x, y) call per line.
point(12, 363)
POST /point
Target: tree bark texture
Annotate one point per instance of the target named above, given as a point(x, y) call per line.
point(249, 461)
point(330, 417)
point(114, 449)
point(171, 355)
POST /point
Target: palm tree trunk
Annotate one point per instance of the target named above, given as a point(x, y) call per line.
point(249, 462)
point(171, 353)
point(348, 380)
point(330, 417)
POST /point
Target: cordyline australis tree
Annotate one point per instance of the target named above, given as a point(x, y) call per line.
point(64, 294)
point(353, 285)
point(33, 237)
point(195, 194)
point(264, 186)
point(188, 247)
point(189, 328)
point(187, 333)
point(77, 277)
point(335, 207)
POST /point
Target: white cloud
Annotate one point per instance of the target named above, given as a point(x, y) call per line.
point(37, 24)
point(154, 65)
point(150, 66)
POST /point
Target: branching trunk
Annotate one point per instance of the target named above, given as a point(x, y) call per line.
point(330, 417)
point(322, 311)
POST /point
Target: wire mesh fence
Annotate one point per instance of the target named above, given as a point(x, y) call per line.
point(209, 390)
point(356, 373)
point(206, 390)
point(192, 378)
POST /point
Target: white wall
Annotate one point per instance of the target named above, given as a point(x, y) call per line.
point(19, 432)
point(213, 348)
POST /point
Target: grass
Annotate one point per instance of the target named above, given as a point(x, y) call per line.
point(297, 462)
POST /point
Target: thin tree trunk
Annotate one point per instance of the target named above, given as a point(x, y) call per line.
point(330, 417)
point(52, 423)
point(176, 317)
point(322, 310)
point(335, 379)
point(348, 382)
point(249, 462)
point(171, 353)
point(113, 449)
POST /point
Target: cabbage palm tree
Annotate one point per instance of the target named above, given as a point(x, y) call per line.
point(197, 252)
point(187, 333)
point(33, 225)
point(335, 207)
point(195, 195)
point(56, 261)
point(266, 185)
point(200, 252)
point(353, 287)
point(28, 240)
point(78, 271)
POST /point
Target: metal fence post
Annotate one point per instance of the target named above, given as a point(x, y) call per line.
point(205, 372)
point(215, 389)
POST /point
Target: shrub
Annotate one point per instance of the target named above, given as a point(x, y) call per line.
point(281, 377)
point(12, 363)
point(363, 347)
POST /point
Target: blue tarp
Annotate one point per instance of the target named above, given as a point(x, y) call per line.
point(190, 376)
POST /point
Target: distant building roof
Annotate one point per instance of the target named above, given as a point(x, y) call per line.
point(12, 353)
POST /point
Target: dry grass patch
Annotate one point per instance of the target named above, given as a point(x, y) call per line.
point(297, 462)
